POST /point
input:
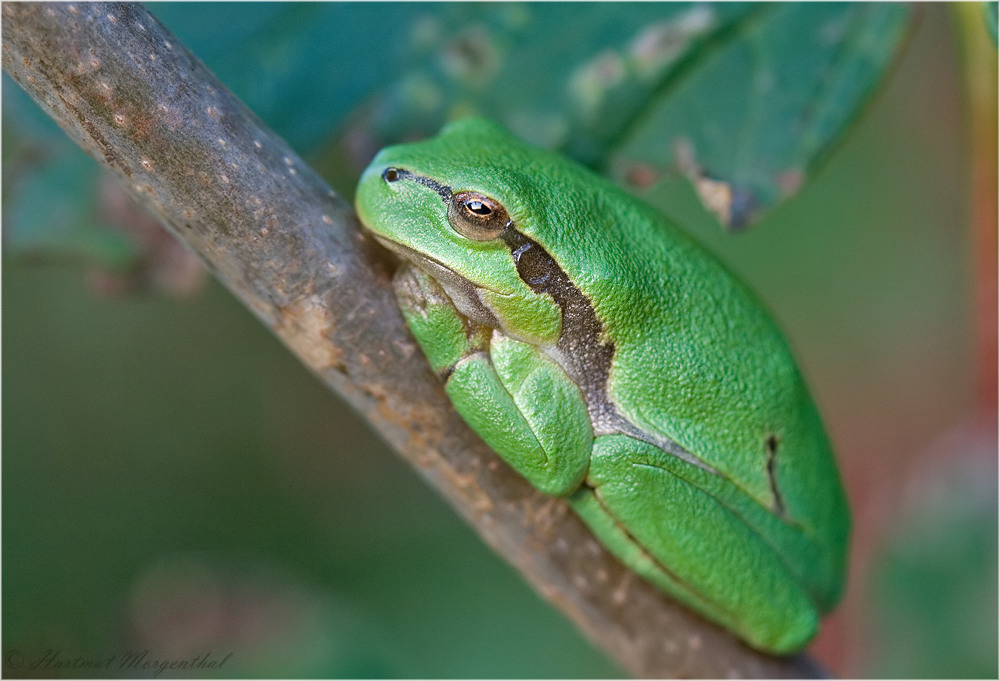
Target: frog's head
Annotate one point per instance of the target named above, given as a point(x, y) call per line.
point(451, 205)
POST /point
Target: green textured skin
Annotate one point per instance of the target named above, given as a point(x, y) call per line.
point(697, 362)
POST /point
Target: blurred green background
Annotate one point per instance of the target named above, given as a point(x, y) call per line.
point(174, 481)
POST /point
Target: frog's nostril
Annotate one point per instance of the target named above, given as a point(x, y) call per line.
point(390, 174)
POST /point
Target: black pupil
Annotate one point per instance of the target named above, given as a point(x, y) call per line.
point(478, 207)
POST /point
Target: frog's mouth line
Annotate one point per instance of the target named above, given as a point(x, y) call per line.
point(464, 294)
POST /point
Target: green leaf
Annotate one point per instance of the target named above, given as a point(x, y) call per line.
point(561, 75)
point(751, 120)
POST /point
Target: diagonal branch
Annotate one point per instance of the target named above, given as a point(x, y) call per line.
point(273, 232)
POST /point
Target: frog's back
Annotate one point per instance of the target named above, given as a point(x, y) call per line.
point(698, 360)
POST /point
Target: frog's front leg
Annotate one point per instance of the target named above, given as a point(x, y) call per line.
point(519, 401)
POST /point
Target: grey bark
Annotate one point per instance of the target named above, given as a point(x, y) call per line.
point(290, 249)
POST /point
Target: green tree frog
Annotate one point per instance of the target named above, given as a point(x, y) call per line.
point(613, 362)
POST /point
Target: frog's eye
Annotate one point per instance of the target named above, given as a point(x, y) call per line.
point(477, 217)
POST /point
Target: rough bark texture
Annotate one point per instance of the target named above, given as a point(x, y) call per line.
point(274, 233)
